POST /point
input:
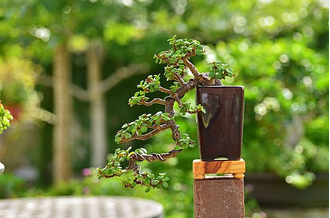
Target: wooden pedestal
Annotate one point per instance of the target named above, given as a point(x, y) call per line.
point(202, 168)
point(219, 198)
point(217, 195)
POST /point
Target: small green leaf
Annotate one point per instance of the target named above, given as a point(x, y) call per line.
point(117, 140)
point(212, 74)
point(144, 129)
point(154, 182)
point(147, 181)
point(150, 176)
point(144, 150)
point(164, 184)
point(219, 76)
point(133, 131)
point(127, 135)
point(199, 52)
point(147, 190)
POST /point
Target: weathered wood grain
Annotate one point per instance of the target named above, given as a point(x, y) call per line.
point(219, 198)
point(201, 168)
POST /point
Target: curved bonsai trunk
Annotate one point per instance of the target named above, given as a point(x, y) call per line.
point(63, 112)
point(97, 104)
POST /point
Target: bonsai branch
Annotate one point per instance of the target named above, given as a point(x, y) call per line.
point(186, 87)
point(162, 89)
point(152, 102)
point(172, 94)
point(147, 135)
point(153, 157)
point(179, 79)
point(143, 178)
point(200, 78)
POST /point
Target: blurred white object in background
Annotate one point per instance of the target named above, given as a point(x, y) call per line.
point(2, 168)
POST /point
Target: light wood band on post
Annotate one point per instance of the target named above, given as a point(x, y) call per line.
point(200, 168)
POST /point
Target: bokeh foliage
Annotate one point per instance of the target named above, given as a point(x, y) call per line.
point(279, 48)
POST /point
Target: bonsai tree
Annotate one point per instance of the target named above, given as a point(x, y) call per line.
point(177, 60)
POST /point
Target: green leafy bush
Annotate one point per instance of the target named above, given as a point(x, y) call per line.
point(12, 186)
point(17, 79)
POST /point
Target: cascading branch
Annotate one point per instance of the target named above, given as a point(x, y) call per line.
point(5, 118)
point(177, 60)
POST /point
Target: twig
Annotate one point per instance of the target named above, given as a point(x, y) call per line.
point(146, 136)
point(122, 73)
point(105, 85)
point(152, 102)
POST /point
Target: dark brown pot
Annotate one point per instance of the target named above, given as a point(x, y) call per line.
point(220, 129)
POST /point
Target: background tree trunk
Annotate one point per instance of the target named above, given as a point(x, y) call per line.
point(63, 112)
point(95, 56)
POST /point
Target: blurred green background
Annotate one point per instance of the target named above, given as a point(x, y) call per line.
point(279, 48)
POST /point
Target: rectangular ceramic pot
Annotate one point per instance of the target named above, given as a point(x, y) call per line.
point(220, 129)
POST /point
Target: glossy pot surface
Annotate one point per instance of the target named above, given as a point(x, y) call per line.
point(220, 129)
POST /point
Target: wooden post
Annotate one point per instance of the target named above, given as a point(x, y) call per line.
point(219, 189)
